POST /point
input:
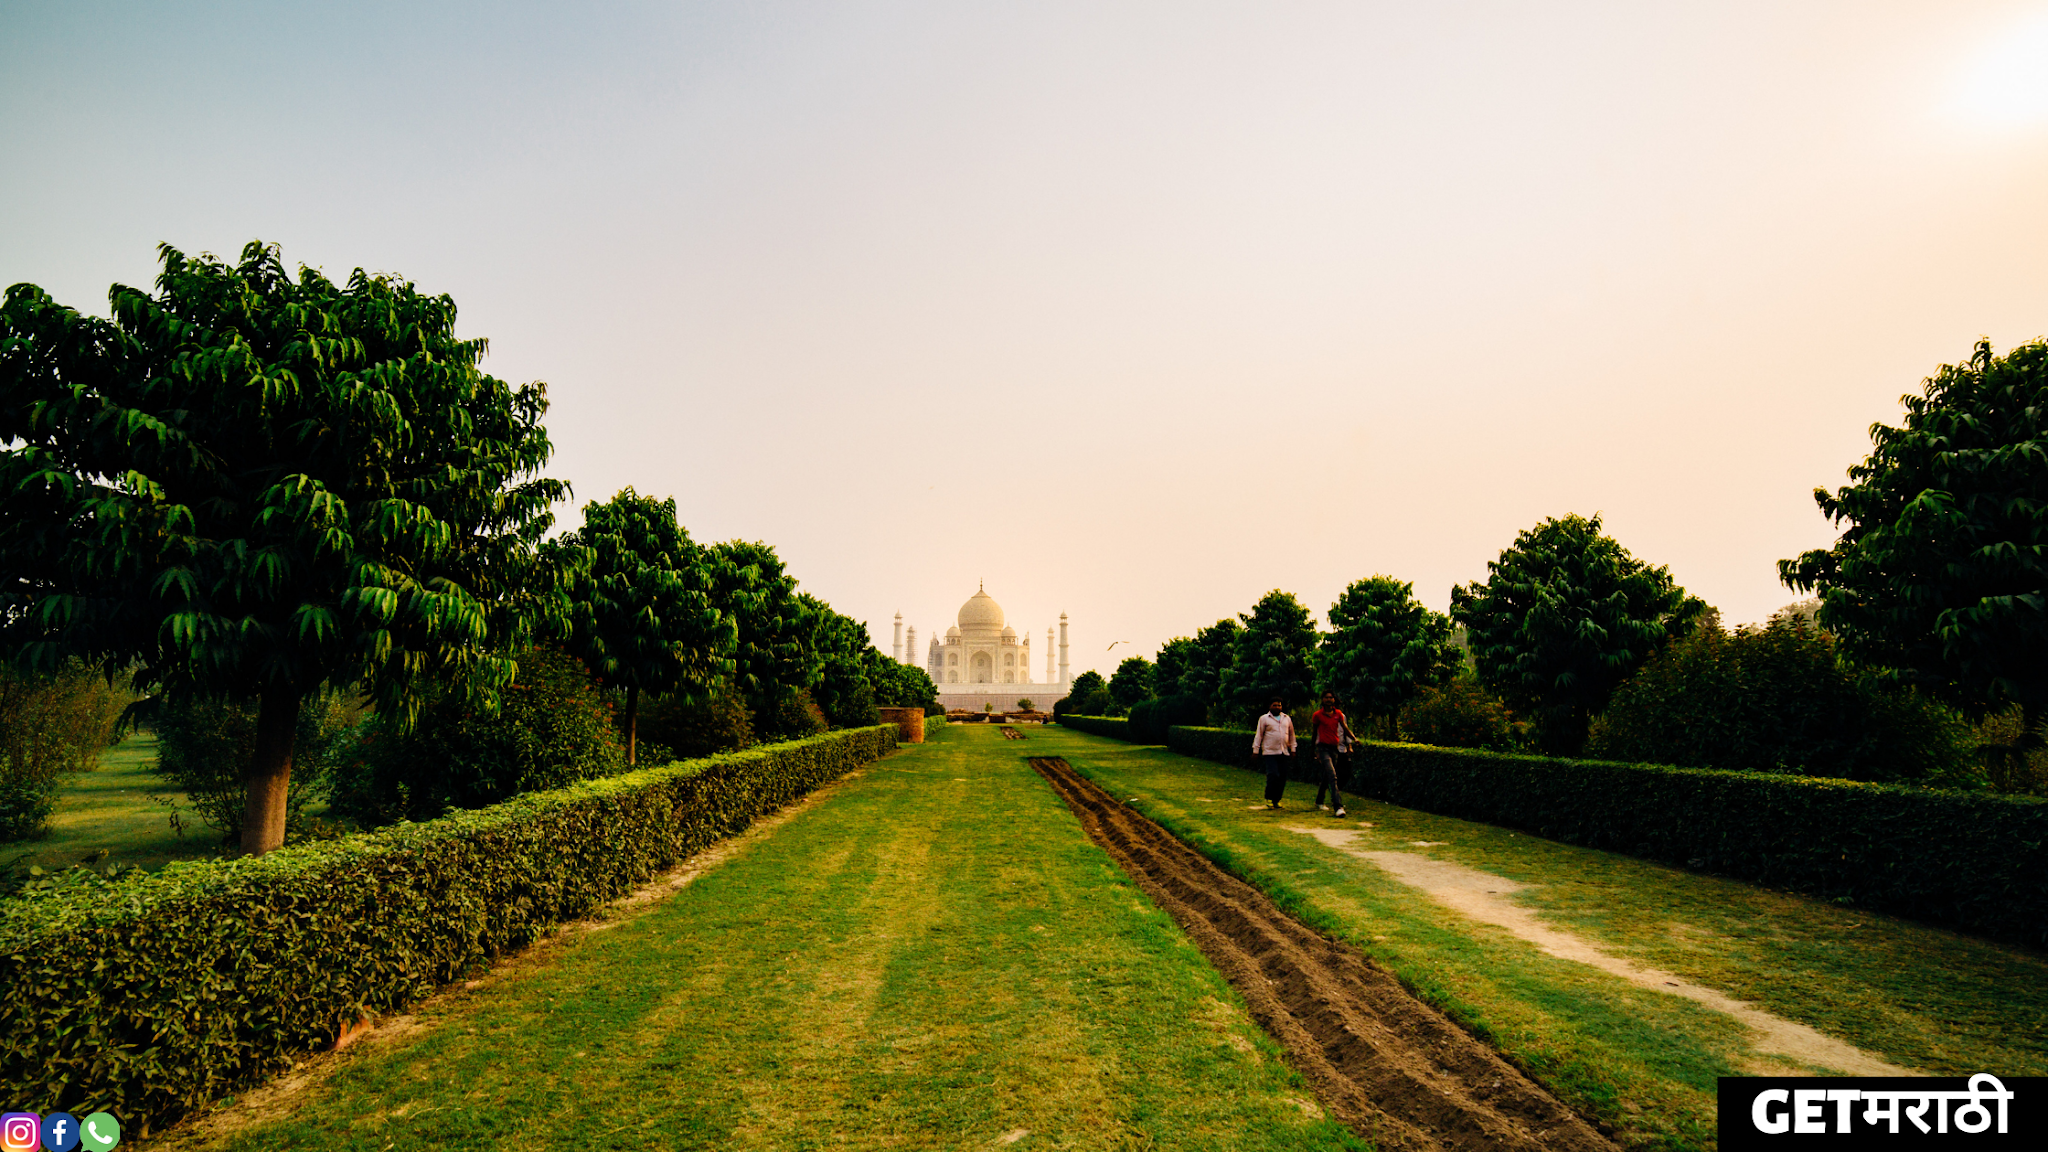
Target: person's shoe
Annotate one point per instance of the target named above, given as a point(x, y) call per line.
point(1340, 812)
point(1322, 807)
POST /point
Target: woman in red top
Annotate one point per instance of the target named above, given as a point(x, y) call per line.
point(1333, 735)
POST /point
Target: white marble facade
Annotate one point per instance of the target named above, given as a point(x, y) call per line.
point(981, 652)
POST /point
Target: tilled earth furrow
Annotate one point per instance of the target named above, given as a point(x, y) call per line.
point(1389, 1065)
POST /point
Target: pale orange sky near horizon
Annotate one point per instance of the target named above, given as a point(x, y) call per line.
point(1134, 310)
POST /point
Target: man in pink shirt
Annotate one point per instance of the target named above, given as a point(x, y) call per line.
point(1273, 744)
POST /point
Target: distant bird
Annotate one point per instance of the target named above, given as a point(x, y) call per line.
point(1115, 643)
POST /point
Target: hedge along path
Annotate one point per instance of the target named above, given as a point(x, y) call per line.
point(278, 1098)
point(1393, 1067)
point(932, 956)
point(1643, 1063)
point(1483, 897)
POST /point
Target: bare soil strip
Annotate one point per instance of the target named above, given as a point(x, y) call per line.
point(1483, 896)
point(1390, 1066)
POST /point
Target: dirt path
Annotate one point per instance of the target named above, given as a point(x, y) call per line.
point(1484, 897)
point(1392, 1067)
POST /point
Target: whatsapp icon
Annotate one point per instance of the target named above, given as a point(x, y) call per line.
point(99, 1132)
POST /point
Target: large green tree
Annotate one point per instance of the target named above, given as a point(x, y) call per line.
point(1564, 615)
point(777, 655)
point(248, 485)
point(844, 691)
point(1941, 575)
point(1272, 657)
point(1384, 645)
point(1172, 663)
point(1131, 683)
point(1215, 647)
point(641, 614)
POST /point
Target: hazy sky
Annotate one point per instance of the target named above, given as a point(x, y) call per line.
point(1136, 310)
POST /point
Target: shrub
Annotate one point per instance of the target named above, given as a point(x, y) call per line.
point(797, 717)
point(687, 729)
point(1233, 746)
point(1113, 726)
point(1777, 699)
point(1459, 714)
point(153, 994)
point(1972, 860)
point(206, 748)
point(1150, 719)
point(551, 728)
point(49, 724)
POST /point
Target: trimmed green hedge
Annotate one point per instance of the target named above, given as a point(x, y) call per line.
point(1967, 859)
point(1115, 727)
point(156, 994)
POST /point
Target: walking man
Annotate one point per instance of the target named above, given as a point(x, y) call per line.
point(1333, 737)
point(1273, 744)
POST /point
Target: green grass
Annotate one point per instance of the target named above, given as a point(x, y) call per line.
point(1643, 1061)
point(932, 956)
point(109, 809)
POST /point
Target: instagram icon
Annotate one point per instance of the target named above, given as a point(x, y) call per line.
point(20, 1132)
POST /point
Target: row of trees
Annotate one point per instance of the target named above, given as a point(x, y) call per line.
point(254, 488)
point(1932, 611)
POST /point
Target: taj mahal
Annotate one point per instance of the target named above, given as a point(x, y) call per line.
point(982, 660)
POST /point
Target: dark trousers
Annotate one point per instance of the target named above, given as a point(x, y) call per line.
point(1326, 774)
point(1276, 777)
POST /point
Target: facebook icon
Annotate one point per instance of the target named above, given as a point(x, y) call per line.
point(60, 1132)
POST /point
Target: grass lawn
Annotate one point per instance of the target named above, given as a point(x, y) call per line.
point(109, 808)
point(1643, 1061)
point(932, 956)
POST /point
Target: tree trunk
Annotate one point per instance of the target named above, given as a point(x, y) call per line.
point(270, 774)
point(632, 726)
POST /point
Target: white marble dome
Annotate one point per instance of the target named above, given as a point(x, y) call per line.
point(981, 611)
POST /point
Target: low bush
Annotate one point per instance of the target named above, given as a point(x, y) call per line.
point(687, 729)
point(551, 728)
point(1458, 714)
point(1149, 719)
point(151, 995)
point(50, 724)
point(1113, 726)
point(1233, 746)
point(1779, 699)
point(1970, 860)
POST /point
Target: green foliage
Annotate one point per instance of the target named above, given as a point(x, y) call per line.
point(1115, 727)
point(798, 717)
point(1024, 705)
point(844, 692)
point(154, 994)
point(1971, 860)
point(1565, 614)
point(1234, 746)
point(1175, 658)
point(1149, 719)
point(1201, 674)
point(1384, 647)
point(1272, 657)
point(1088, 695)
point(899, 685)
point(689, 727)
point(50, 723)
point(778, 651)
point(1778, 699)
point(249, 486)
point(551, 728)
point(1941, 576)
point(641, 616)
point(206, 748)
point(1131, 683)
point(1460, 713)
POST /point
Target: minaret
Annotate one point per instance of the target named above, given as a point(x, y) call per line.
point(910, 645)
point(1048, 656)
point(1063, 649)
point(896, 649)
